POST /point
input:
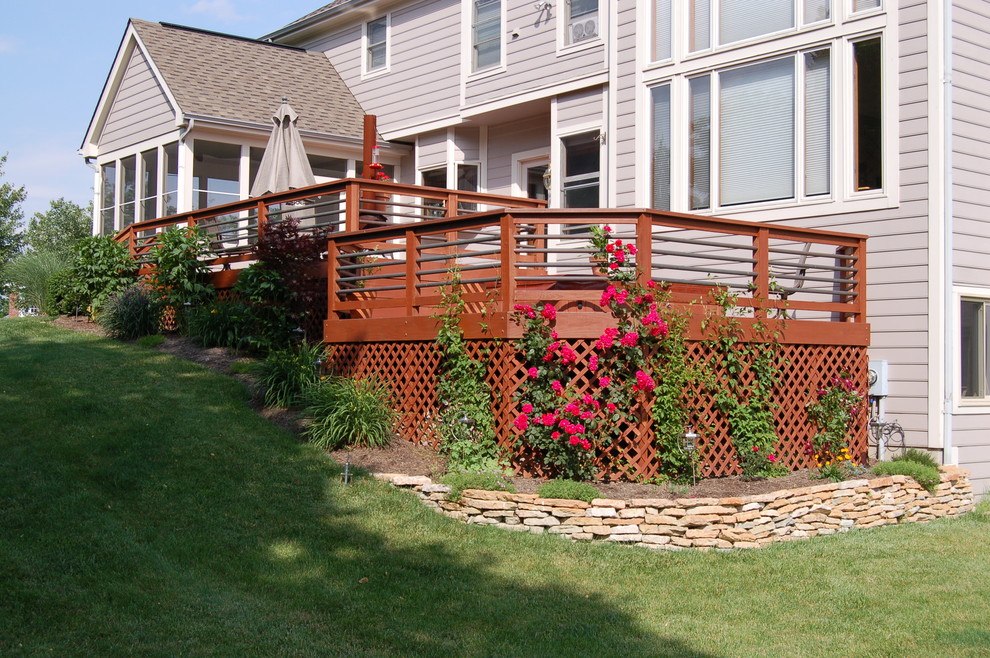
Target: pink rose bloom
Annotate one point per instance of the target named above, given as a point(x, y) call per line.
point(608, 295)
point(527, 408)
point(593, 362)
point(587, 415)
point(548, 419)
point(756, 448)
point(522, 421)
point(618, 243)
point(586, 444)
point(772, 458)
point(620, 256)
point(644, 382)
point(553, 334)
point(574, 440)
point(555, 435)
point(613, 266)
point(608, 229)
point(632, 249)
point(604, 382)
point(622, 296)
point(572, 408)
point(587, 399)
point(630, 339)
point(661, 329)
point(611, 407)
point(533, 372)
point(610, 248)
point(651, 284)
point(549, 312)
point(556, 386)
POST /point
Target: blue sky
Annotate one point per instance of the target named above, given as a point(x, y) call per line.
point(54, 59)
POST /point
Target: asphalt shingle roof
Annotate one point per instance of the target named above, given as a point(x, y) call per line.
point(234, 78)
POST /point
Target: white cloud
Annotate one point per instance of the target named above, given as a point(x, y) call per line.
point(223, 10)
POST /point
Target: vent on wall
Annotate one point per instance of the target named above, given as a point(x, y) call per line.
point(584, 29)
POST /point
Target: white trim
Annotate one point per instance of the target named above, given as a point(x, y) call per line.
point(563, 19)
point(961, 405)
point(522, 161)
point(941, 346)
point(467, 38)
point(365, 72)
point(414, 129)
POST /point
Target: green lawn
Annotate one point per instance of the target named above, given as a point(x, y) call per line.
point(144, 509)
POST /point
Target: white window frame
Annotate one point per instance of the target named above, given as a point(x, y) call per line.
point(970, 405)
point(468, 12)
point(564, 46)
point(681, 27)
point(367, 72)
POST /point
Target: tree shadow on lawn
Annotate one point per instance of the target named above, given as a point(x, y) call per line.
point(166, 519)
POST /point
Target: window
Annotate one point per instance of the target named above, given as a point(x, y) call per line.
point(376, 51)
point(467, 181)
point(149, 185)
point(108, 197)
point(581, 22)
point(128, 168)
point(739, 20)
point(216, 174)
point(327, 167)
point(170, 199)
point(661, 147)
point(749, 125)
point(582, 171)
point(864, 5)
point(974, 372)
point(661, 30)
point(486, 34)
point(867, 108)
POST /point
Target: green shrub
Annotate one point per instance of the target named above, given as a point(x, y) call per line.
point(918, 457)
point(569, 490)
point(30, 274)
point(349, 412)
point(62, 296)
point(926, 476)
point(493, 480)
point(268, 322)
point(220, 323)
point(101, 268)
point(287, 373)
point(154, 340)
point(131, 313)
point(180, 270)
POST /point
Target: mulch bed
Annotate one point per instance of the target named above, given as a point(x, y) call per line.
point(408, 459)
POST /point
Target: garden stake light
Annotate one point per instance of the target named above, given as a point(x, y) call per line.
point(689, 447)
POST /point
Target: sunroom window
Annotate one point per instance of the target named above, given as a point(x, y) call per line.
point(216, 174)
point(108, 197)
point(149, 185)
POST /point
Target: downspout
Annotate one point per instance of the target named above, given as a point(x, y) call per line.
point(97, 199)
point(949, 310)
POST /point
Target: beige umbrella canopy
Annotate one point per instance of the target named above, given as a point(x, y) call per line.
point(284, 165)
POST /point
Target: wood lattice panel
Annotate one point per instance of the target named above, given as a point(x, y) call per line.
point(410, 368)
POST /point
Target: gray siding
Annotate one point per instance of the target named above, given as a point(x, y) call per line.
point(623, 137)
point(432, 150)
point(467, 144)
point(971, 195)
point(531, 58)
point(506, 139)
point(580, 109)
point(140, 109)
point(423, 82)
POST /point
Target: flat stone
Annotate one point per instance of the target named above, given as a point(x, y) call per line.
point(742, 517)
point(548, 521)
point(635, 521)
point(482, 494)
point(608, 502)
point(701, 533)
point(652, 502)
point(625, 538)
point(530, 514)
point(585, 520)
point(514, 528)
point(655, 539)
point(699, 519)
point(734, 502)
point(481, 520)
point(562, 502)
point(566, 512)
point(662, 519)
point(563, 529)
point(748, 507)
point(694, 502)
point(632, 512)
point(522, 498)
point(436, 488)
point(624, 530)
point(411, 480)
point(582, 536)
point(483, 504)
point(709, 509)
point(601, 511)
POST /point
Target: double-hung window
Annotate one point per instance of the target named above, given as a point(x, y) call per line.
point(582, 171)
point(486, 34)
point(581, 22)
point(376, 45)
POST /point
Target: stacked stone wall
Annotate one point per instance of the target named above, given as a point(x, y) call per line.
point(709, 523)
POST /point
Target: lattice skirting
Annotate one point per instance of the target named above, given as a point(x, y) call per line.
point(410, 368)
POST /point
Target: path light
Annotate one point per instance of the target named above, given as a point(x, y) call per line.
point(345, 477)
point(691, 448)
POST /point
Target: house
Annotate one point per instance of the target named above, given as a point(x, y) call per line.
point(866, 116)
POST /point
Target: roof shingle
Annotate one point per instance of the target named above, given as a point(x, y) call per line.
point(234, 78)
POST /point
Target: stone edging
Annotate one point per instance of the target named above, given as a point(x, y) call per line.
point(708, 523)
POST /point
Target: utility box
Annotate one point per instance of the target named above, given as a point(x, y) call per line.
point(879, 379)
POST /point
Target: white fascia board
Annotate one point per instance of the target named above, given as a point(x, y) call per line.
point(128, 44)
point(410, 131)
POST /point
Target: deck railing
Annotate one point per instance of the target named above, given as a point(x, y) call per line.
point(528, 256)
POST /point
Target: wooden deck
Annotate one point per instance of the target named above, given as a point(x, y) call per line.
point(392, 247)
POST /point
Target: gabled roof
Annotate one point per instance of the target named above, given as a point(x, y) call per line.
point(227, 78)
point(328, 9)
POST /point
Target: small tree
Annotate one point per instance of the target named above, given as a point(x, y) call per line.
point(11, 242)
point(102, 267)
point(58, 230)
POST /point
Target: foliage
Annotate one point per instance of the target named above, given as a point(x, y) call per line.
point(179, 273)
point(287, 373)
point(349, 412)
point(102, 268)
point(833, 411)
point(63, 296)
point(291, 253)
point(131, 313)
point(57, 230)
point(30, 273)
point(615, 259)
point(747, 407)
point(151, 341)
point(492, 480)
point(219, 323)
point(568, 490)
point(467, 423)
point(11, 241)
point(926, 476)
point(917, 456)
point(267, 323)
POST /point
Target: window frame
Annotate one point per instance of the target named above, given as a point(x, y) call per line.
point(971, 403)
point(366, 46)
point(471, 11)
point(714, 32)
point(564, 19)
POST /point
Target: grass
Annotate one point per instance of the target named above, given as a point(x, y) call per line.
point(144, 509)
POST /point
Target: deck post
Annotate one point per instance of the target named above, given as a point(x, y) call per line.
point(508, 257)
point(761, 295)
point(644, 249)
point(332, 252)
point(262, 219)
point(412, 272)
point(352, 210)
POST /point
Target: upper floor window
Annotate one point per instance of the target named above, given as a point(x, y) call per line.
point(724, 22)
point(376, 45)
point(581, 21)
point(486, 34)
point(864, 5)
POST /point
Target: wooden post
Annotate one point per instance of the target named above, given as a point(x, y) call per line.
point(370, 141)
point(412, 272)
point(644, 249)
point(761, 295)
point(508, 256)
point(262, 219)
point(352, 209)
point(331, 280)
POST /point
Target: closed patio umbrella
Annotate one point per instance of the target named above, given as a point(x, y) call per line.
point(284, 165)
